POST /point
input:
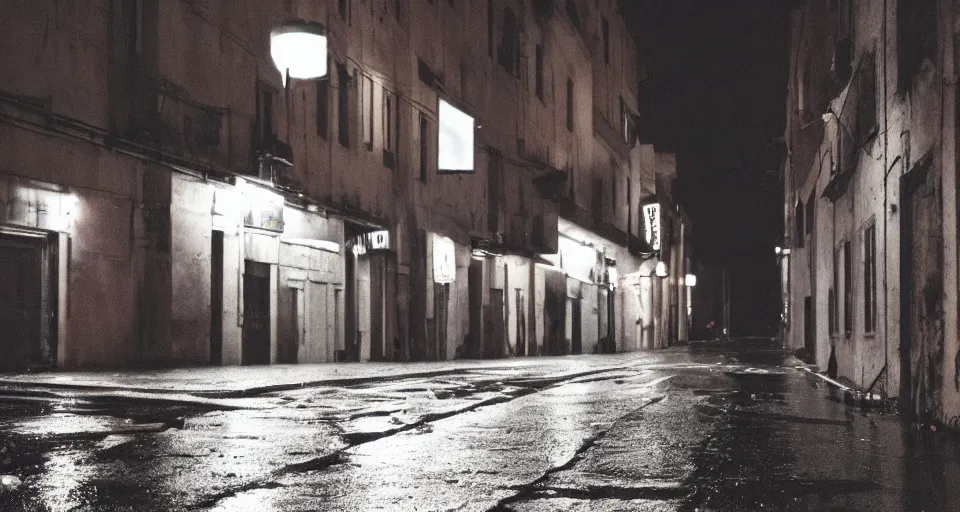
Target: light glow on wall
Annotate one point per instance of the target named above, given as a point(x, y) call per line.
point(300, 50)
point(455, 131)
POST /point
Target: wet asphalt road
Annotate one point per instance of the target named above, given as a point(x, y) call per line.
point(715, 431)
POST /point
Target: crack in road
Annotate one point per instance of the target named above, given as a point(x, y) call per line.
point(532, 489)
point(359, 438)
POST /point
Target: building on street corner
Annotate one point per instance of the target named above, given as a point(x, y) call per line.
point(177, 191)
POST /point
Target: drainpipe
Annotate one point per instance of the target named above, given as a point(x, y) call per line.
point(886, 152)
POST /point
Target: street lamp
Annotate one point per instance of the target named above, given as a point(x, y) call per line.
point(299, 50)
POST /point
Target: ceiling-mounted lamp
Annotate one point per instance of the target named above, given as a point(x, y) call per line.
point(299, 50)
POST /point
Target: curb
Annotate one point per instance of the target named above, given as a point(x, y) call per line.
point(852, 397)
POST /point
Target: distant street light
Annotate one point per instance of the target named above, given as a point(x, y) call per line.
point(299, 50)
point(778, 250)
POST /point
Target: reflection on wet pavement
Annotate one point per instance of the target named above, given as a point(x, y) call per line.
point(699, 432)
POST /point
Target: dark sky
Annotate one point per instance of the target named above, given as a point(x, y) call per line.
point(716, 96)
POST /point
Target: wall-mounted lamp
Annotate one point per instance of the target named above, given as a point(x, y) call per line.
point(661, 270)
point(690, 280)
point(299, 50)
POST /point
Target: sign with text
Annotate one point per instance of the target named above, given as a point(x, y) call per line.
point(651, 222)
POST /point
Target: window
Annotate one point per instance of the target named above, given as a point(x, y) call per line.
point(264, 125)
point(847, 291)
point(867, 99)
point(368, 112)
point(832, 310)
point(624, 121)
point(870, 278)
point(538, 72)
point(509, 55)
point(809, 218)
point(569, 105)
point(572, 13)
point(424, 147)
point(916, 37)
point(323, 107)
point(396, 9)
point(490, 28)
point(606, 42)
point(343, 105)
point(137, 27)
point(833, 304)
point(798, 225)
point(389, 129)
point(342, 4)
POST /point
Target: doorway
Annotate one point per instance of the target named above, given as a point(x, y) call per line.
point(216, 298)
point(921, 289)
point(256, 313)
point(521, 315)
point(576, 327)
point(21, 301)
point(441, 293)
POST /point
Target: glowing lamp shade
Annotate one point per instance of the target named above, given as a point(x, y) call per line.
point(455, 139)
point(299, 49)
point(661, 270)
point(690, 280)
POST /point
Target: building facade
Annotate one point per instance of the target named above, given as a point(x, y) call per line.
point(171, 198)
point(869, 257)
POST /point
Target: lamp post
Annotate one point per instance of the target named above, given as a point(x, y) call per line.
point(299, 50)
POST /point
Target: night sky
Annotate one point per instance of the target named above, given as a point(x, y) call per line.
point(715, 95)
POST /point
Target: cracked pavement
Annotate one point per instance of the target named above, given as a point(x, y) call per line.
point(671, 430)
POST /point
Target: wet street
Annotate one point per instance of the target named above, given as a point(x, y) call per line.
point(671, 430)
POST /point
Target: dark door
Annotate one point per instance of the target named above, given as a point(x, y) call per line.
point(441, 294)
point(256, 313)
point(921, 275)
point(216, 298)
point(475, 285)
point(576, 322)
point(521, 324)
point(351, 323)
point(21, 280)
point(495, 338)
point(809, 329)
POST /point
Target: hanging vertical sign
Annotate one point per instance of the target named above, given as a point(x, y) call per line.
point(651, 220)
point(444, 263)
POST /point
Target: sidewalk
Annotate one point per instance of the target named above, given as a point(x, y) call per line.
point(242, 381)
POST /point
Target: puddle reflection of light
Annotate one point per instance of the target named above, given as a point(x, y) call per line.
point(61, 481)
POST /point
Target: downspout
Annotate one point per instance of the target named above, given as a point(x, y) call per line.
point(886, 290)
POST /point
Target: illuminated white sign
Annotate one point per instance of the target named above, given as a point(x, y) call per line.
point(375, 241)
point(444, 262)
point(651, 220)
point(455, 140)
point(300, 50)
